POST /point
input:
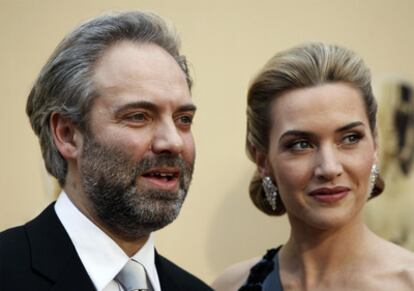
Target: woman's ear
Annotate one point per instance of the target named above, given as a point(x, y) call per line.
point(262, 164)
point(66, 136)
point(376, 147)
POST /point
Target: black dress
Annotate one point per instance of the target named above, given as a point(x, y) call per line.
point(264, 276)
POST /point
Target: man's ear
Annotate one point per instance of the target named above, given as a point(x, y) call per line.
point(66, 136)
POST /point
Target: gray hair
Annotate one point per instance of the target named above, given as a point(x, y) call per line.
point(308, 65)
point(64, 84)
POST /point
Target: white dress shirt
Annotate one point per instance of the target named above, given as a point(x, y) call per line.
point(102, 258)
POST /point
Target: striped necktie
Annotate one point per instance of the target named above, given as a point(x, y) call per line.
point(133, 277)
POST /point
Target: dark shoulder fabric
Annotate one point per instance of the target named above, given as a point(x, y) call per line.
point(41, 256)
point(258, 279)
point(174, 278)
point(272, 281)
point(15, 262)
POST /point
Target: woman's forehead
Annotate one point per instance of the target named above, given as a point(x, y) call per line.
point(321, 106)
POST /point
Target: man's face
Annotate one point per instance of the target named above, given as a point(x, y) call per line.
point(138, 152)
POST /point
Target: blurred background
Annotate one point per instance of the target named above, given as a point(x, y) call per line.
point(226, 43)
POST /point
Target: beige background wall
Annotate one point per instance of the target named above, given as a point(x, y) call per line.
point(226, 42)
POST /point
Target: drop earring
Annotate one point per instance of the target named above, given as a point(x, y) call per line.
point(373, 177)
point(271, 191)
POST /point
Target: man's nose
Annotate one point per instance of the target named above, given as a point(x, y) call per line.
point(328, 164)
point(167, 138)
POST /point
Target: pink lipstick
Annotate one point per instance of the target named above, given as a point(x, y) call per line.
point(329, 195)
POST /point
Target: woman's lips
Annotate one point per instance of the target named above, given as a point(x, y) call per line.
point(329, 195)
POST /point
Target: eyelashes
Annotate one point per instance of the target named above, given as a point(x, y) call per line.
point(352, 138)
point(182, 120)
point(299, 145)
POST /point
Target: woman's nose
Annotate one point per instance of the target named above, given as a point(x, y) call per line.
point(328, 164)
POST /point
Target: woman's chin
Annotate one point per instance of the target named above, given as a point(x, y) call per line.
point(326, 219)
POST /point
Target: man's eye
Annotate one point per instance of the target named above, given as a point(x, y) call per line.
point(186, 119)
point(139, 116)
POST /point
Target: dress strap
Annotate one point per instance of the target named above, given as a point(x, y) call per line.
point(260, 271)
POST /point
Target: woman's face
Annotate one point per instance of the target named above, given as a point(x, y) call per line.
point(321, 154)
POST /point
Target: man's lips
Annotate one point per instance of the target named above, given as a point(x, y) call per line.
point(166, 179)
point(329, 195)
point(162, 173)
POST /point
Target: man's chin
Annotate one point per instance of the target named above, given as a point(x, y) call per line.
point(136, 227)
point(139, 231)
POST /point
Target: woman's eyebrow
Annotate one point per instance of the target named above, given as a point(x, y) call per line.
point(308, 134)
point(297, 133)
point(350, 126)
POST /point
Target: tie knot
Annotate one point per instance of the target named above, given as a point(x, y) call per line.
point(133, 277)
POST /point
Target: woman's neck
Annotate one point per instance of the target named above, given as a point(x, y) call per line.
point(312, 256)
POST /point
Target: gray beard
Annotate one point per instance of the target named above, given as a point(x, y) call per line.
point(109, 178)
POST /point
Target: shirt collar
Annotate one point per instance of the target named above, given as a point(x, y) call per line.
point(102, 258)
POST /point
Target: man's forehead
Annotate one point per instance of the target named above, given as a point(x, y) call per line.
point(119, 98)
point(126, 61)
point(131, 73)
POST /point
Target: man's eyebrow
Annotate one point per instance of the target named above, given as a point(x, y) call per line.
point(137, 104)
point(150, 106)
point(187, 107)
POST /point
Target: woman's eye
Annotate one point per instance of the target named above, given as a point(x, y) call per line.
point(351, 138)
point(300, 145)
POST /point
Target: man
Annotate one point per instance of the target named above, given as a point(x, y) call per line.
point(113, 112)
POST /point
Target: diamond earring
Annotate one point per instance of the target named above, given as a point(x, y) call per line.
point(374, 176)
point(270, 191)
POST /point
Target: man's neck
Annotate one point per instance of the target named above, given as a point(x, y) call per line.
point(129, 245)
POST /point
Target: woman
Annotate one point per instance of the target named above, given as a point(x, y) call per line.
point(311, 130)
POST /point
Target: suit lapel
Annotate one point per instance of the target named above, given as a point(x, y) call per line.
point(74, 277)
point(53, 254)
point(167, 281)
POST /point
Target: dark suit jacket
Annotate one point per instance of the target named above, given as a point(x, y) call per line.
point(40, 256)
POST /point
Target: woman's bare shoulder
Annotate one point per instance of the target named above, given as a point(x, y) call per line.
point(405, 259)
point(398, 255)
point(397, 266)
point(234, 277)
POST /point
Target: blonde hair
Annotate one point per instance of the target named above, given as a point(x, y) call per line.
point(307, 65)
